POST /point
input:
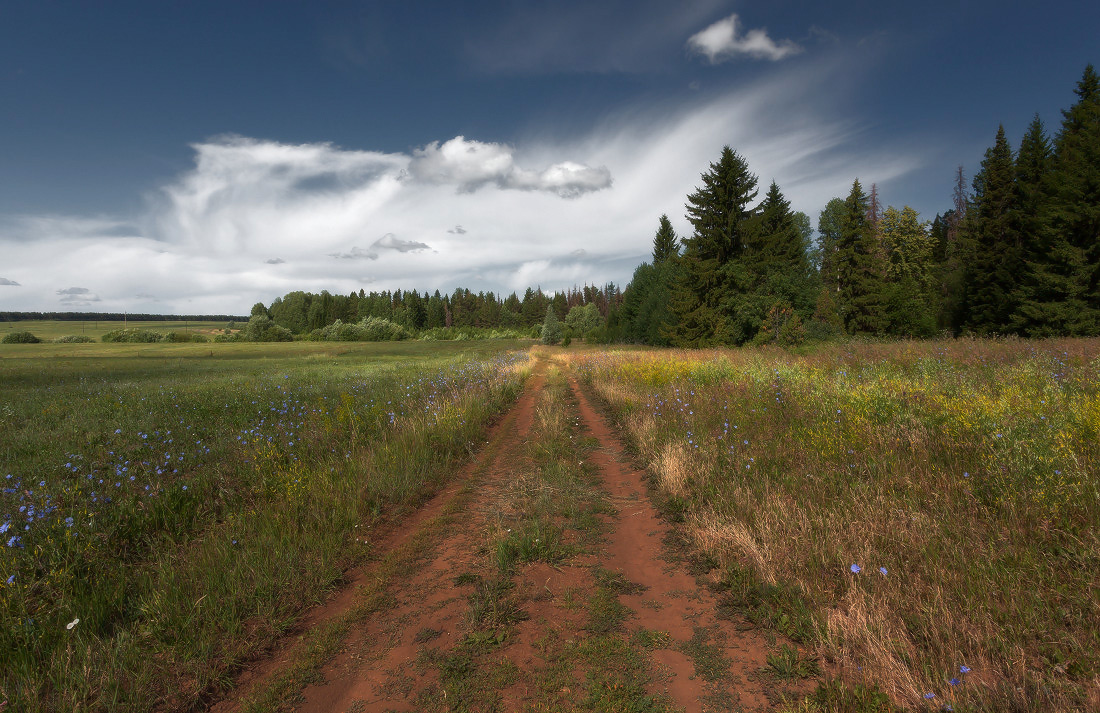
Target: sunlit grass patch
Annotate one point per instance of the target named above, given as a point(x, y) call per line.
point(958, 479)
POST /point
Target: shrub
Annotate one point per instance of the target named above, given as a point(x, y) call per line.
point(133, 336)
point(20, 338)
point(185, 337)
point(74, 339)
point(261, 329)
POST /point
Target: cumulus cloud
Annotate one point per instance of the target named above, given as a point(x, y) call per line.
point(275, 261)
point(470, 165)
point(205, 242)
point(720, 42)
point(8, 283)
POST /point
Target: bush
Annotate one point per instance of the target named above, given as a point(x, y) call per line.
point(20, 338)
point(133, 336)
point(464, 333)
point(261, 329)
point(185, 337)
point(74, 339)
point(369, 329)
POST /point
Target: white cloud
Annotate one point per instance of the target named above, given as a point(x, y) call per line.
point(77, 296)
point(8, 283)
point(389, 241)
point(356, 253)
point(470, 165)
point(341, 219)
point(720, 42)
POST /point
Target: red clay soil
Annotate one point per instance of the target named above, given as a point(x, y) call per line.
point(381, 665)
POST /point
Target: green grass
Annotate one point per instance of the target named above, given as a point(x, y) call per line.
point(186, 502)
point(966, 470)
point(48, 330)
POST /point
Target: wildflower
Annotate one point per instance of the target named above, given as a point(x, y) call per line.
point(11, 579)
point(954, 682)
point(882, 571)
point(929, 696)
point(856, 569)
point(72, 623)
point(964, 669)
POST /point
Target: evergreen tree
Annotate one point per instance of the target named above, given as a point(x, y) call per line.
point(860, 288)
point(994, 264)
point(1033, 165)
point(665, 244)
point(773, 268)
point(551, 328)
point(1071, 303)
point(718, 212)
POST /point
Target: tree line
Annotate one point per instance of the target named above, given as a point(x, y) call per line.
point(1018, 253)
point(304, 312)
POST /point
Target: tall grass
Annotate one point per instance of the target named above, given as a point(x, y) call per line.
point(165, 520)
point(925, 513)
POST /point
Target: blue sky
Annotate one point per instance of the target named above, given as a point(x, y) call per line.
point(203, 156)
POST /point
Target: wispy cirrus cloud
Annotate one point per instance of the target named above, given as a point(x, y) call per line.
point(722, 41)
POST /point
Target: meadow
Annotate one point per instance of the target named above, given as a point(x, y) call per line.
point(49, 329)
point(921, 517)
point(168, 510)
point(922, 514)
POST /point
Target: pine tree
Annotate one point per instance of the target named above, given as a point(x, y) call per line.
point(994, 264)
point(665, 244)
point(860, 295)
point(718, 212)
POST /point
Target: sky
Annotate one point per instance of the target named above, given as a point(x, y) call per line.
point(199, 157)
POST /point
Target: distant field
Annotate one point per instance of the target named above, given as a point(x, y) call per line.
point(52, 329)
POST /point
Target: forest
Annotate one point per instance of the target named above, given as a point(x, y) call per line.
point(1017, 253)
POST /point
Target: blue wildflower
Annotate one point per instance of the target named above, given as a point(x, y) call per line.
point(929, 696)
point(964, 669)
point(954, 682)
point(882, 570)
point(856, 569)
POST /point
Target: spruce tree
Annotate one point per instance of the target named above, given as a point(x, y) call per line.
point(1073, 216)
point(774, 268)
point(1034, 162)
point(552, 331)
point(718, 212)
point(994, 265)
point(665, 243)
point(860, 295)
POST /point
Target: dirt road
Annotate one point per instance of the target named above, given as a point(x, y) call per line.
point(541, 579)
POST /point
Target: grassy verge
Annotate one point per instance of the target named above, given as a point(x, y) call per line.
point(923, 513)
point(166, 515)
